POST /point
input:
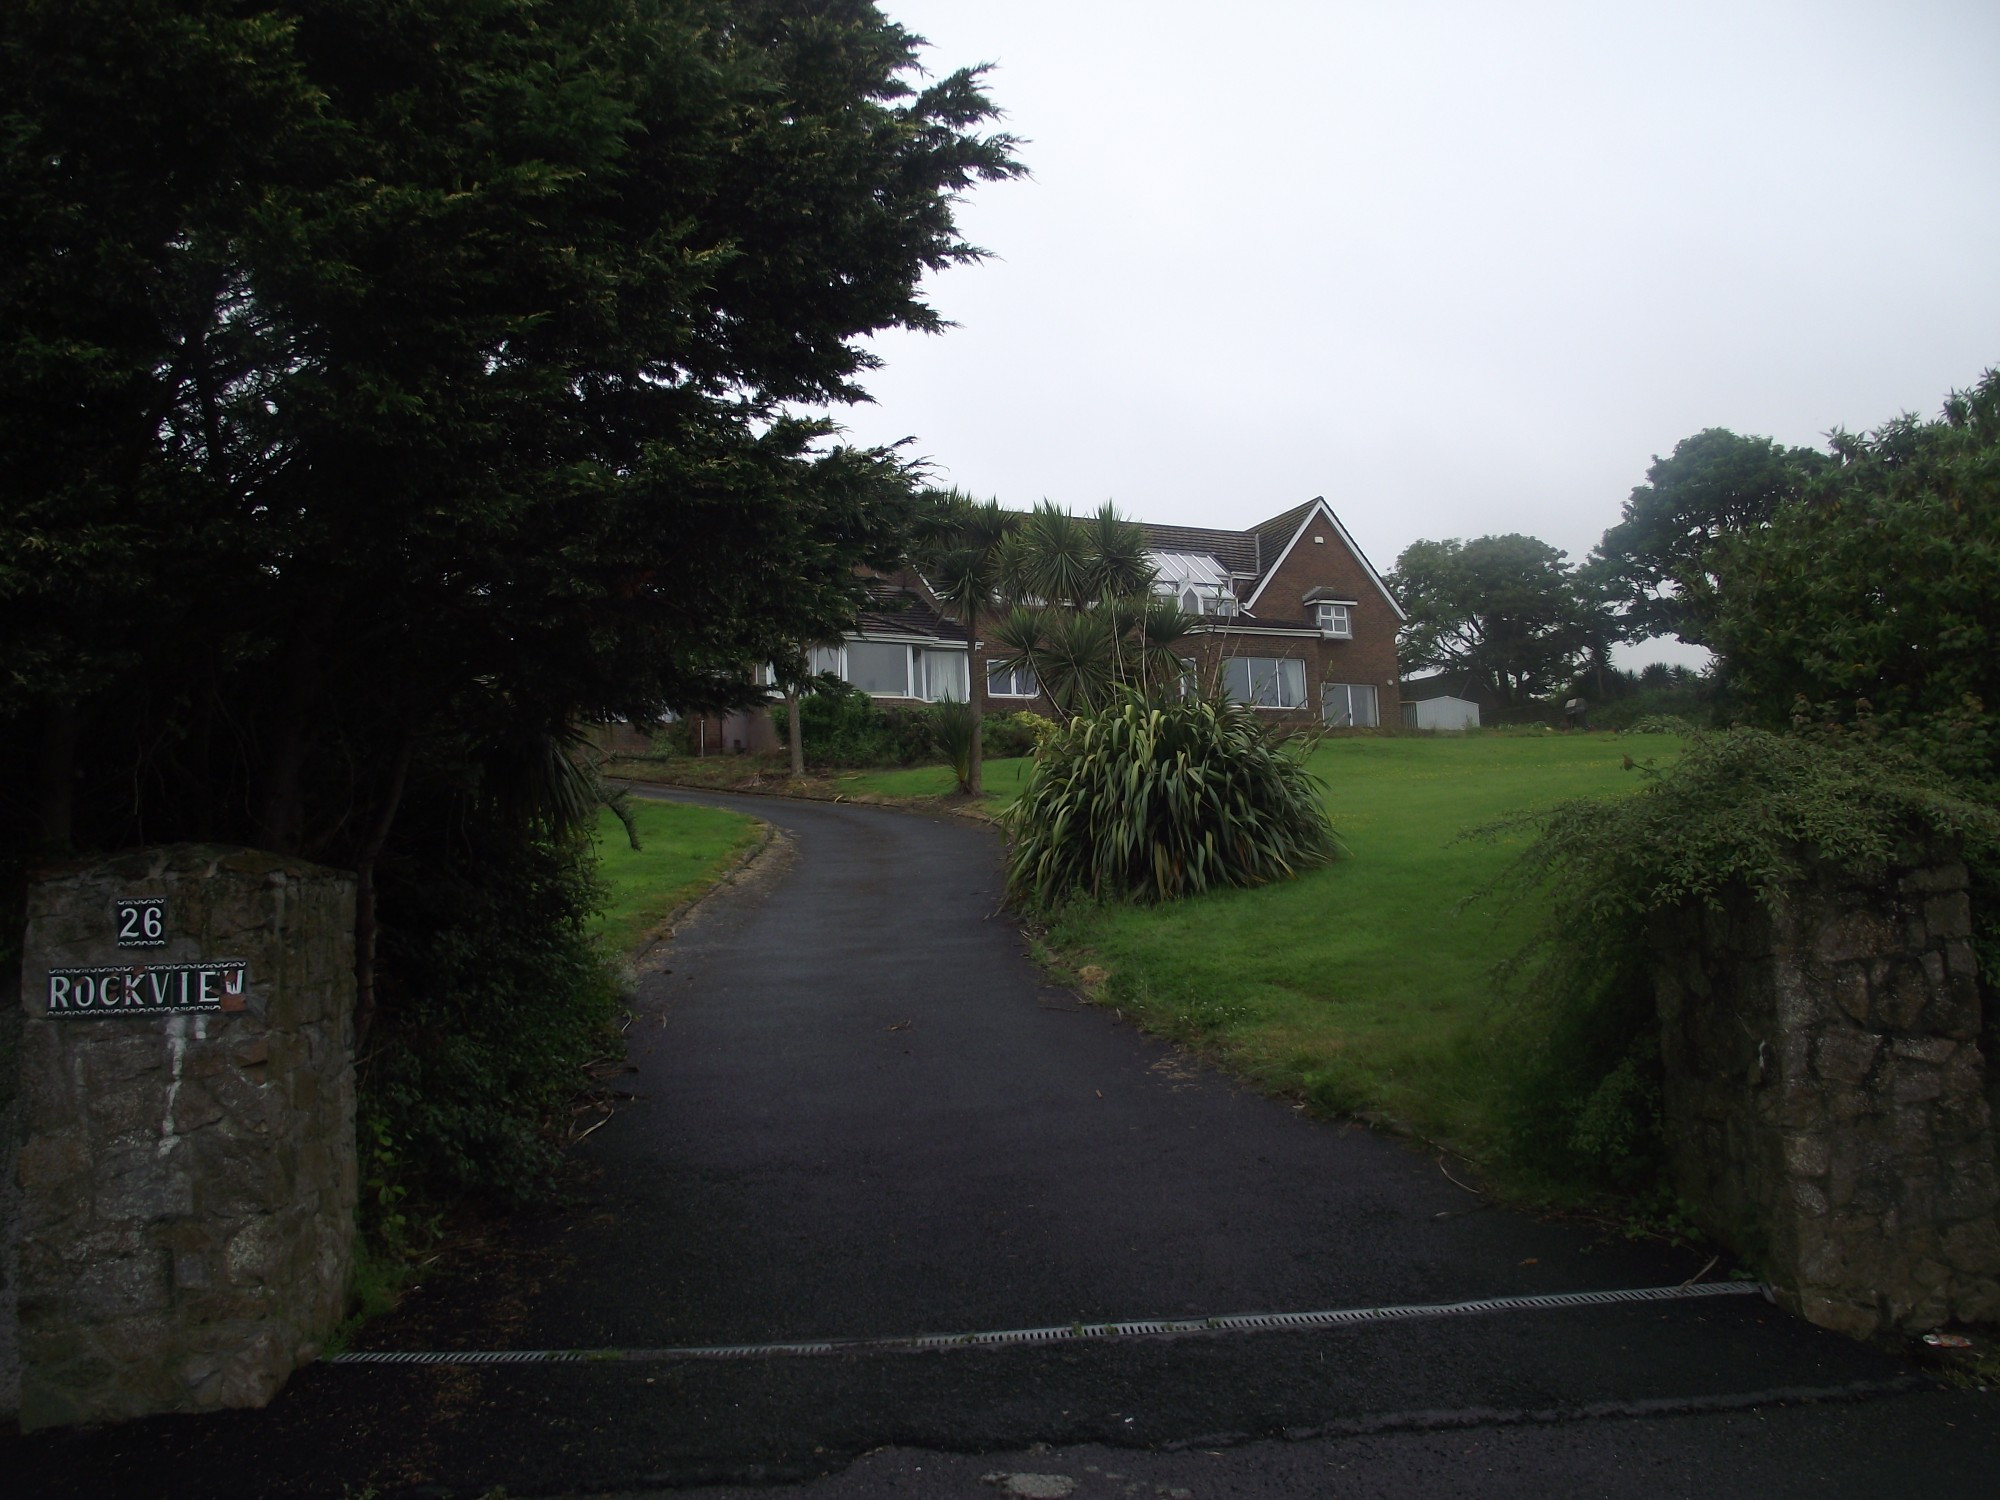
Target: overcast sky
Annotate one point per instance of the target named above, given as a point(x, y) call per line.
point(1460, 267)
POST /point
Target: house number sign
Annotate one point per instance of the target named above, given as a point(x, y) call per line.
point(217, 984)
point(142, 924)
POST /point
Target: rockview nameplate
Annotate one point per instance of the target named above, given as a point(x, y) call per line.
point(146, 989)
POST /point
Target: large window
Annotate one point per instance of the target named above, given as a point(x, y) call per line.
point(1265, 681)
point(893, 670)
point(938, 675)
point(1349, 705)
point(1017, 682)
point(879, 668)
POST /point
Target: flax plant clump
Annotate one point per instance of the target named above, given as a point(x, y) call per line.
point(1145, 802)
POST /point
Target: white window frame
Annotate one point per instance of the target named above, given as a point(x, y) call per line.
point(1347, 718)
point(1334, 619)
point(1012, 677)
point(921, 658)
point(1259, 670)
point(1202, 602)
point(916, 672)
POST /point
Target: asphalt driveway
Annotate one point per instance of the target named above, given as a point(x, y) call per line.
point(860, 1114)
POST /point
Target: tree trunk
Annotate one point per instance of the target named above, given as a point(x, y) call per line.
point(792, 733)
point(58, 776)
point(975, 694)
point(365, 926)
point(280, 808)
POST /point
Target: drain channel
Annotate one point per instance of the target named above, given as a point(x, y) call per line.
point(1063, 1333)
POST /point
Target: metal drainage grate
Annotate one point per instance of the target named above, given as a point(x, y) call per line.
point(1069, 1332)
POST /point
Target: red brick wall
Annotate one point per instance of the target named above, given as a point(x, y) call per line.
point(1369, 657)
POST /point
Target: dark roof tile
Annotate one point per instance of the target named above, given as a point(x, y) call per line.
point(1235, 550)
point(1272, 535)
point(894, 611)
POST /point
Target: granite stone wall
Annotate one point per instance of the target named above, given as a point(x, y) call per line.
point(10, 1195)
point(1827, 1094)
point(187, 1178)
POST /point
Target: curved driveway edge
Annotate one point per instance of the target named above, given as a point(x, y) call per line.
point(860, 1112)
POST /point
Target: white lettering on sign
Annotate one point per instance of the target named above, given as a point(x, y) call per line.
point(149, 989)
point(142, 923)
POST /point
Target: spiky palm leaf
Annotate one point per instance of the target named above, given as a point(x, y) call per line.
point(1161, 630)
point(1058, 558)
point(1118, 556)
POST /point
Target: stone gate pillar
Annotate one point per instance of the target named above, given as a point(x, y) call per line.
point(1825, 1094)
point(186, 1163)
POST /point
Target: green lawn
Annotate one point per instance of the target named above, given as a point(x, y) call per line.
point(1003, 781)
point(685, 849)
point(1361, 986)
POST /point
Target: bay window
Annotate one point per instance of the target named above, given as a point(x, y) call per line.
point(894, 669)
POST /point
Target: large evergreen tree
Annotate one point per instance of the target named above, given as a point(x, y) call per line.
point(388, 386)
point(1657, 567)
point(372, 366)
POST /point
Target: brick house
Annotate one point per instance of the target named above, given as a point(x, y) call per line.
point(1294, 620)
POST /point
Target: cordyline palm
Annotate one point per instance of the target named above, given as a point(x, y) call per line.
point(960, 555)
point(1071, 652)
point(1084, 620)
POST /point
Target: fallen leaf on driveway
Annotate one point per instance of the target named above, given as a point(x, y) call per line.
point(900, 1026)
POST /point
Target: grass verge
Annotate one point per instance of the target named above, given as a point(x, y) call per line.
point(771, 776)
point(1362, 988)
point(683, 851)
point(1003, 779)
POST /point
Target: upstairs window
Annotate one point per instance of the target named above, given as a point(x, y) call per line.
point(1334, 619)
point(1217, 602)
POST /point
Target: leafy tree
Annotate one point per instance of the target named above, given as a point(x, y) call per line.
point(1874, 599)
point(1657, 566)
point(417, 355)
point(388, 387)
point(1502, 607)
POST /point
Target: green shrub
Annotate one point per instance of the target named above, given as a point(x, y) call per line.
point(1015, 734)
point(1660, 724)
point(1741, 810)
point(1869, 602)
point(953, 726)
point(1151, 803)
point(843, 726)
point(493, 997)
